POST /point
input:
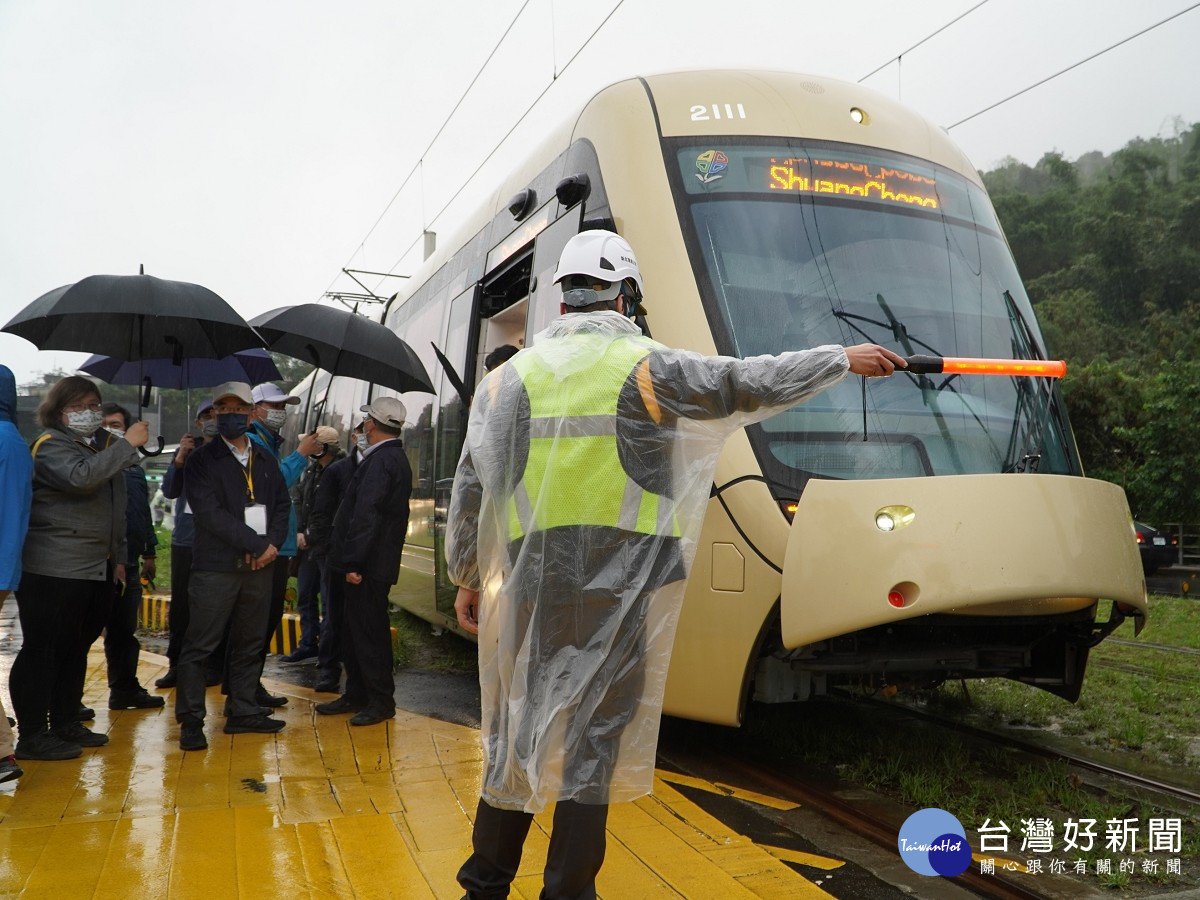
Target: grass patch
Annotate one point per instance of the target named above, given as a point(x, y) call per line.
point(419, 645)
point(1135, 700)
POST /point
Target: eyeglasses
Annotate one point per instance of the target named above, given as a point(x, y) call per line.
point(80, 407)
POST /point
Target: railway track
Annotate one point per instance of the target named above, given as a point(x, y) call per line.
point(1165, 790)
point(852, 814)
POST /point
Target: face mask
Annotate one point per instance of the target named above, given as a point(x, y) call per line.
point(117, 432)
point(276, 418)
point(232, 425)
point(361, 440)
point(84, 422)
point(210, 429)
point(319, 455)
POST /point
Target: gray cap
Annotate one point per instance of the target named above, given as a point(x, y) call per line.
point(386, 410)
point(270, 393)
point(238, 389)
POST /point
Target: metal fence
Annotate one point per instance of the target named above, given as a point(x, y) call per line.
point(1187, 535)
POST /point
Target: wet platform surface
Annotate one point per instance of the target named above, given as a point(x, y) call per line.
point(321, 809)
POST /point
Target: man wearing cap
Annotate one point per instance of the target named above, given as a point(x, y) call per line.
point(181, 548)
point(270, 415)
point(240, 507)
point(310, 576)
point(368, 538)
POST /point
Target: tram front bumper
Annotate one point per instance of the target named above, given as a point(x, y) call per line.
point(865, 553)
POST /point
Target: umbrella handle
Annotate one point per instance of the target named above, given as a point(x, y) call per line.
point(161, 445)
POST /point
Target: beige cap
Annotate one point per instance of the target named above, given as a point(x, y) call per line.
point(386, 410)
point(238, 389)
point(326, 434)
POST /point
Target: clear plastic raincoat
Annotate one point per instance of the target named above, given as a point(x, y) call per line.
point(576, 509)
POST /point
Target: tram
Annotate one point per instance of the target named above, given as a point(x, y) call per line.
point(891, 532)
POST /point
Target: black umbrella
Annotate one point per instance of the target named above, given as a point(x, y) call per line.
point(134, 317)
point(344, 343)
point(253, 366)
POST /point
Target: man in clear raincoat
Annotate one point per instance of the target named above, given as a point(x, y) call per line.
point(576, 509)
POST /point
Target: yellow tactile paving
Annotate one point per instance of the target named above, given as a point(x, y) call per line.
point(323, 810)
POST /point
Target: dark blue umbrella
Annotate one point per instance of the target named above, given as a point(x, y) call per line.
point(252, 366)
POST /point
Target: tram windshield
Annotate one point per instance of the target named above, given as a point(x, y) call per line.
point(797, 244)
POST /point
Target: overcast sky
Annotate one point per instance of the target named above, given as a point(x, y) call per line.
point(253, 147)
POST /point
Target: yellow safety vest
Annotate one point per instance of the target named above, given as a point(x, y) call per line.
point(573, 470)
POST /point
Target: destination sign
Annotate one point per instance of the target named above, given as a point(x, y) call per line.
point(811, 175)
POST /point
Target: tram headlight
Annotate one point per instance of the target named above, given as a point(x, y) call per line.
point(891, 518)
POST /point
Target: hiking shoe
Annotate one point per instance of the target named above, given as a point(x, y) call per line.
point(168, 680)
point(46, 745)
point(258, 724)
point(372, 717)
point(139, 699)
point(264, 698)
point(10, 770)
point(300, 654)
point(191, 736)
point(339, 706)
point(84, 737)
point(86, 713)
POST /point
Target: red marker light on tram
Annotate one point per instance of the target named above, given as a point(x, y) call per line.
point(896, 599)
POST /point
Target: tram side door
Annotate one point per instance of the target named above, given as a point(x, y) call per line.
point(462, 335)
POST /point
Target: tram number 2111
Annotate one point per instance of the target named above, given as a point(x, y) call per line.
point(701, 113)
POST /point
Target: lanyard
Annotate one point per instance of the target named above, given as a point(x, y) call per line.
point(248, 474)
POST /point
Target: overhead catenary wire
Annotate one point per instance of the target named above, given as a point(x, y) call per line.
point(508, 134)
point(420, 159)
point(927, 37)
point(1074, 65)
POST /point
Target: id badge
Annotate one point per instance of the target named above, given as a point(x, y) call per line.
point(256, 518)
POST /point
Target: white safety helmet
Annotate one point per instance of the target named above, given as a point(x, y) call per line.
point(600, 255)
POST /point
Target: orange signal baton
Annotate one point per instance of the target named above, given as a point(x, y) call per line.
point(935, 365)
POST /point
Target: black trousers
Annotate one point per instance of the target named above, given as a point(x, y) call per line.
point(177, 618)
point(367, 645)
point(279, 570)
point(577, 844)
point(237, 601)
point(60, 619)
point(333, 595)
point(121, 647)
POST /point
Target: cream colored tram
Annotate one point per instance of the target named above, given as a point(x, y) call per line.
point(900, 532)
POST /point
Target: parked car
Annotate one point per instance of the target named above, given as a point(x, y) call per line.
point(1158, 548)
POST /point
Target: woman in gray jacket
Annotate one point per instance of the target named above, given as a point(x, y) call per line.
point(72, 560)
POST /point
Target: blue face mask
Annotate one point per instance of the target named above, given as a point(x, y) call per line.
point(232, 425)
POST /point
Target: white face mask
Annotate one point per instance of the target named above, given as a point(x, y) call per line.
point(276, 418)
point(85, 421)
point(361, 440)
point(116, 432)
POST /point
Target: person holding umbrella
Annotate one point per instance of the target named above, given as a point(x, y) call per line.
point(270, 415)
point(181, 549)
point(310, 576)
point(121, 648)
point(72, 563)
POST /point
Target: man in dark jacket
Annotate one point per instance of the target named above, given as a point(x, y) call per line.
point(319, 535)
point(310, 580)
point(240, 506)
point(368, 538)
point(121, 648)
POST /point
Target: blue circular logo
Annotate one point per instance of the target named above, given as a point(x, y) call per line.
point(933, 842)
